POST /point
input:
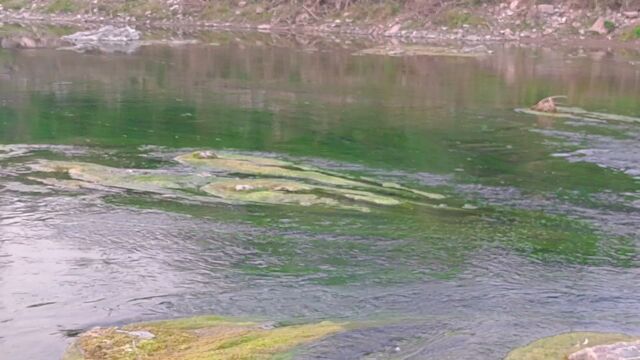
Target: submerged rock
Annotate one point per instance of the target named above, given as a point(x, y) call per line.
point(204, 337)
point(571, 346)
point(264, 181)
point(261, 166)
point(277, 191)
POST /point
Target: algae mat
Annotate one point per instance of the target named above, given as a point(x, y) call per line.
point(197, 338)
point(235, 179)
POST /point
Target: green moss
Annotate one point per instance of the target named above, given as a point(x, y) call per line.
point(632, 33)
point(197, 338)
point(561, 346)
point(457, 18)
point(63, 6)
point(14, 4)
point(267, 167)
point(609, 25)
point(280, 182)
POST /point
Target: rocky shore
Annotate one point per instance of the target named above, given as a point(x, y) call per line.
point(511, 20)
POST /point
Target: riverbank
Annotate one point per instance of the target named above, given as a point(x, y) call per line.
point(512, 21)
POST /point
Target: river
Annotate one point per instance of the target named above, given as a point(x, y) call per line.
point(536, 231)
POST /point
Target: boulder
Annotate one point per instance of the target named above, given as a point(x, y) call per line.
point(547, 104)
point(202, 337)
point(106, 34)
point(393, 30)
point(610, 346)
point(27, 43)
point(616, 351)
point(546, 9)
point(599, 27)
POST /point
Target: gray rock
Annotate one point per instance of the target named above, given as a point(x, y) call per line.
point(394, 30)
point(106, 34)
point(141, 334)
point(546, 9)
point(27, 43)
point(617, 351)
point(598, 27)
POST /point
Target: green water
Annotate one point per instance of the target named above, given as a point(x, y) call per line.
point(540, 217)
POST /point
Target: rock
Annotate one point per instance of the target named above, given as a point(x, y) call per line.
point(141, 334)
point(259, 10)
point(616, 351)
point(203, 337)
point(570, 345)
point(107, 39)
point(631, 14)
point(394, 30)
point(243, 187)
point(104, 34)
point(599, 27)
point(547, 104)
point(546, 9)
point(27, 43)
point(205, 155)
point(8, 43)
point(514, 5)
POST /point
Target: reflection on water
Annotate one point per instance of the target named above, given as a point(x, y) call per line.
point(538, 233)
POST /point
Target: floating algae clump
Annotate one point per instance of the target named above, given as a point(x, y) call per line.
point(560, 347)
point(198, 338)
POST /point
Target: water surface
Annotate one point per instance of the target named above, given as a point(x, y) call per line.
point(538, 233)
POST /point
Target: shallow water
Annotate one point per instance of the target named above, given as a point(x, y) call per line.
point(538, 233)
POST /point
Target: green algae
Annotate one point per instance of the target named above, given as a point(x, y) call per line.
point(260, 166)
point(197, 338)
point(559, 347)
point(278, 182)
point(276, 191)
point(93, 176)
point(250, 165)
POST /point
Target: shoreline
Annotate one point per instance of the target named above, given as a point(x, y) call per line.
point(379, 32)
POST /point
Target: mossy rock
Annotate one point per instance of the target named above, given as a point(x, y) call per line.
point(197, 338)
point(267, 167)
point(278, 191)
point(259, 166)
point(559, 347)
point(263, 181)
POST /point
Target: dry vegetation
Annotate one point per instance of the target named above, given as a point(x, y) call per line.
point(293, 11)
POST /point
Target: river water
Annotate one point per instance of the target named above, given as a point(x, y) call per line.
point(538, 233)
